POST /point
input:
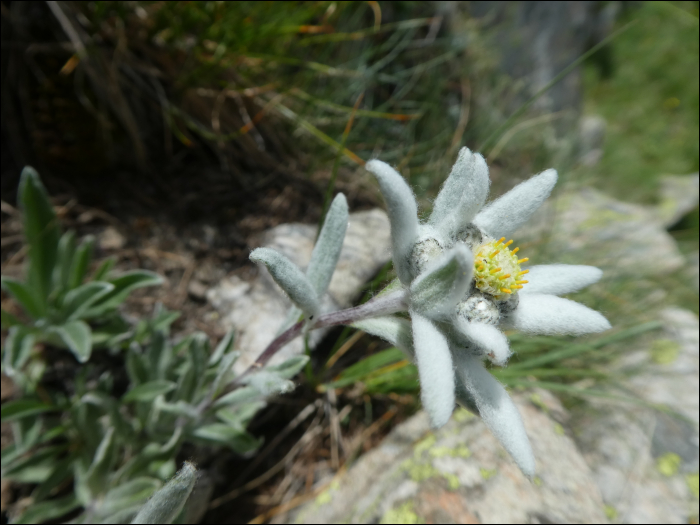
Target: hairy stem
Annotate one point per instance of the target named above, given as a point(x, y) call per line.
point(381, 305)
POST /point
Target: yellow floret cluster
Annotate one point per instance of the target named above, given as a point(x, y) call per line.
point(497, 269)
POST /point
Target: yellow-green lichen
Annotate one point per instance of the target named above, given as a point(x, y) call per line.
point(419, 471)
point(537, 481)
point(668, 464)
point(610, 512)
point(325, 496)
point(487, 473)
point(402, 514)
point(692, 481)
point(536, 400)
point(664, 351)
point(423, 446)
point(460, 451)
point(462, 414)
point(558, 429)
point(452, 481)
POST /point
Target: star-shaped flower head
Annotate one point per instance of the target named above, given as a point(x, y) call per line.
point(464, 281)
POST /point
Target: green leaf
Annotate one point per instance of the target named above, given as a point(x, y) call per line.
point(81, 298)
point(103, 269)
point(8, 320)
point(123, 285)
point(222, 370)
point(64, 261)
point(367, 368)
point(223, 434)
point(35, 468)
point(136, 365)
point(81, 261)
point(290, 367)
point(42, 232)
point(222, 348)
point(61, 471)
point(167, 503)
point(239, 417)
point(18, 348)
point(240, 395)
point(21, 408)
point(24, 297)
point(149, 391)
point(49, 510)
point(76, 336)
point(129, 494)
point(290, 278)
point(96, 479)
point(324, 257)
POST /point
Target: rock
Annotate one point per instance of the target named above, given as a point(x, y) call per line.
point(461, 474)
point(585, 226)
point(111, 239)
point(255, 309)
point(679, 196)
point(591, 137)
point(645, 461)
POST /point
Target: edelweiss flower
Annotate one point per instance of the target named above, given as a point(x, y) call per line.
point(464, 281)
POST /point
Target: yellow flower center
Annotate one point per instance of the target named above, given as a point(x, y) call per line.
point(497, 269)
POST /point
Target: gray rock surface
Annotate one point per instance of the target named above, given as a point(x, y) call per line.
point(256, 309)
point(460, 474)
point(585, 226)
point(679, 196)
point(645, 460)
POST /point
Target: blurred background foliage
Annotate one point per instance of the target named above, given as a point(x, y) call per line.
point(251, 114)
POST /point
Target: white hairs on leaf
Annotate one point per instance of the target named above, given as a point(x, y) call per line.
point(559, 279)
point(551, 315)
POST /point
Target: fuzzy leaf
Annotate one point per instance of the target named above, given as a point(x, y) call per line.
point(507, 213)
point(81, 261)
point(76, 336)
point(123, 286)
point(435, 370)
point(222, 434)
point(403, 215)
point(18, 348)
point(133, 492)
point(81, 298)
point(42, 232)
point(23, 295)
point(290, 367)
point(395, 330)
point(497, 410)
point(325, 256)
point(462, 195)
point(436, 291)
point(64, 260)
point(166, 504)
point(240, 395)
point(49, 510)
point(21, 408)
point(290, 278)
point(148, 391)
point(224, 347)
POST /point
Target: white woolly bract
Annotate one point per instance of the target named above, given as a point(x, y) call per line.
point(497, 410)
point(551, 315)
point(507, 213)
point(395, 330)
point(436, 291)
point(488, 338)
point(462, 195)
point(435, 370)
point(403, 214)
point(290, 278)
point(325, 256)
point(559, 279)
